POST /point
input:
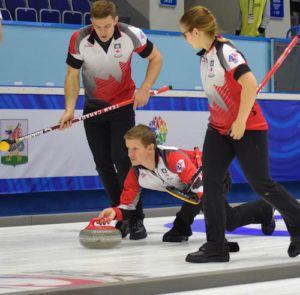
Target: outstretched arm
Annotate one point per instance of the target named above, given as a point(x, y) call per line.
point(128, 200)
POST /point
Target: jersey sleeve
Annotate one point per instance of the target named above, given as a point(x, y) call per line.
point(74, 58)
point(233, 61)
point(130, 196)
point(142, 45)
point(231, 57)
point(181, 164)
point(0, 16)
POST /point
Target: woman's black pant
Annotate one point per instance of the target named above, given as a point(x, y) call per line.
point(256, 212)
point(252, 154)
point(105, 135)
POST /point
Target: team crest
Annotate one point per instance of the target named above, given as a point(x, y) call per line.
point(159, 127)
point(180, 165)
point(211, 72)
point(165, 171)
point(12, 129)
point(142, 35)
point(233, 58)
point(118, 50)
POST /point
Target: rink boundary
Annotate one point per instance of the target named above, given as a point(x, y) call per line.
point(74, 217)
point(180, 283)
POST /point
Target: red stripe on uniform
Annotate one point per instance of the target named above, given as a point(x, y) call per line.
point(140, 49)
point(119, 30)
point(72, 43)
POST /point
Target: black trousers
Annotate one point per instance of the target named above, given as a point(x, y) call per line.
point(252, 153)
point(259, 212)
point(105, 138)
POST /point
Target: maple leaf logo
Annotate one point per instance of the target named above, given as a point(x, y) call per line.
point(112, 91)
point(222, 106)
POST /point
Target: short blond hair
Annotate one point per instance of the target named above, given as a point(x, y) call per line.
point(142, 132)
point(103, 9)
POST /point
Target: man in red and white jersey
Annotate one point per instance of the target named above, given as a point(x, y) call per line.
point(103, 50)
point(157, 167)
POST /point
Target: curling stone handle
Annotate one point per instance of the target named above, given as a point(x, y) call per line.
point(97, 219)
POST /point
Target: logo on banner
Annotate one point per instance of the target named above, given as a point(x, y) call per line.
point(159, 126)
point(118, 51)
point(12, 129)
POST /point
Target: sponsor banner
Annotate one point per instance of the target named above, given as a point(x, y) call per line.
point(54, 154)
point(61, 160)
point(66, 153)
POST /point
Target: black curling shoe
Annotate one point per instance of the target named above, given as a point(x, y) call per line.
point(137, 230)
point(123, 227)
point(205, 255)
point(173, 236)
point(268, 228)
point(294, 248)
point(232, 246)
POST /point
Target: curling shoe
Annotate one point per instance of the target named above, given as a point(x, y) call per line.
point(232, 246)
point(205, 255)
point(123, 227)
point(173, 236)
point(269, 227)
point(137, 230)
point(294, 248)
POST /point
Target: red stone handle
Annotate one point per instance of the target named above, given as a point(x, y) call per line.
point(94, 220)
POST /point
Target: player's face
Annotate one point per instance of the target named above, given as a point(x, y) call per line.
point(190, 36)
point(137, 152)
point(104, 27)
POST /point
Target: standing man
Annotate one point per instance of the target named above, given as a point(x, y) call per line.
point(104, 51)
point(254, 17)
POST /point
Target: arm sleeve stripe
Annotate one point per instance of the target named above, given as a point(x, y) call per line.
point(241, 70)
point(145, 50)
point(73, 62)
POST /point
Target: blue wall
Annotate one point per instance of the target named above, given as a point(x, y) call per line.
point(35, 54)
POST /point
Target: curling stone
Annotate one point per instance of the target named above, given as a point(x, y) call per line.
point(99, 237)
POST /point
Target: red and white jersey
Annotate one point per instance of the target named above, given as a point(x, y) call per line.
point(221, 67)
point(106, 74)
point(174, 167)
